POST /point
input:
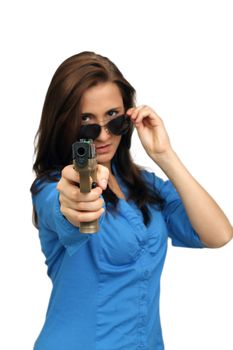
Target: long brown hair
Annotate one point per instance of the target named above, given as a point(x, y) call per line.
point(60, 124)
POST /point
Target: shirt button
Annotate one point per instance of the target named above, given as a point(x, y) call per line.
point(143, 296)
point(142, 244)
point(143, 321)
point(146, 274)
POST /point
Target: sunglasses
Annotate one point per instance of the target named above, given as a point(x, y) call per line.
point(117, 126)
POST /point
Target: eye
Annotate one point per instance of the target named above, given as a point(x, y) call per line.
point(113, 113)
point(85, 118)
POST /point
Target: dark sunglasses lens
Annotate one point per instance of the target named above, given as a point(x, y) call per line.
point(119, 125)
point(91, 131)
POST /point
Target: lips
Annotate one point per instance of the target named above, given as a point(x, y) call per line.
point(103, 149)
point(103, 146)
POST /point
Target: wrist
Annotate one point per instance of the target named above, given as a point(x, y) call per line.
point(165, 159)
point(172, 166)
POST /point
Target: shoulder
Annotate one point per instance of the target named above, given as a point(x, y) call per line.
point(163, 187)
point(44, 187)
point(152, 179)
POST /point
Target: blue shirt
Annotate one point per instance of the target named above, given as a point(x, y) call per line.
point(106, 286)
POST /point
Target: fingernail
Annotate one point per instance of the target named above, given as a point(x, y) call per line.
point(103, 183)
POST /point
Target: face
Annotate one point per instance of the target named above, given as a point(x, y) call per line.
point(99, 105)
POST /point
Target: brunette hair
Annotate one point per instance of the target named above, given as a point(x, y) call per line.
point(60, 124)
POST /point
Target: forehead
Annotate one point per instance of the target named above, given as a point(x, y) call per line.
point(102, 96)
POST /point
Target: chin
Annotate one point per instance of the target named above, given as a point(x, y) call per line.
point(104, 159)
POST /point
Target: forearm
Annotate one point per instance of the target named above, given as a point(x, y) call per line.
point(206, 217)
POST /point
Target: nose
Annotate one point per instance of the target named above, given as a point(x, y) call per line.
point(104, 134)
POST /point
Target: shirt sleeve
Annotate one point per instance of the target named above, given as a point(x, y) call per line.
point(54, 228)
point(180, 229)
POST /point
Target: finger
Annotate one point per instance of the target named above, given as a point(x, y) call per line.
point(75, 217)
point(133, 112)
point(82, 206)
point(70, 181)
point(70, 215)
point(90, 206)
point(102, 176)
point(143, 113)
point(72, 192)
point(87, 216)
point(130, 111)
point(149, 115)
point(70, 174)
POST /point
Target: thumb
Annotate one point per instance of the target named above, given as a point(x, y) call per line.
point(102, 176)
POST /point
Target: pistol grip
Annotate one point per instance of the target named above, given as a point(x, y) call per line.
point(89, 227)
point(85, 183)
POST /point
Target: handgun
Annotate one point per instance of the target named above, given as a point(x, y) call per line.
point(84, 161)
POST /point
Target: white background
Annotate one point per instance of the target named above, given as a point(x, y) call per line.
point(178, 55)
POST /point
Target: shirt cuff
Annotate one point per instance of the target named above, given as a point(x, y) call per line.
point(68, 234)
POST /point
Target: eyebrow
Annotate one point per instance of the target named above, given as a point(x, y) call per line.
point(109, 110)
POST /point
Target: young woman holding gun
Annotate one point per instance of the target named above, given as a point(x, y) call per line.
point(106, 285)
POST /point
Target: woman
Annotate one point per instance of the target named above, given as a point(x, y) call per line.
point(106, 285)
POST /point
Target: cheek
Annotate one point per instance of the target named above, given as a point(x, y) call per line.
point(117, 140)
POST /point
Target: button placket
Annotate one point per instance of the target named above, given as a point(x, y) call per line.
point(143, 304)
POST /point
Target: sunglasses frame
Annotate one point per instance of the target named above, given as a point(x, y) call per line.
point(95, 129)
